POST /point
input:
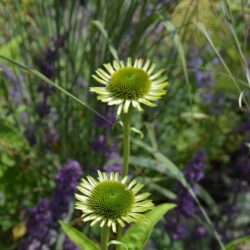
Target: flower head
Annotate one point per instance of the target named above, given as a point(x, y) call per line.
point(127, 84)
point(111, 201)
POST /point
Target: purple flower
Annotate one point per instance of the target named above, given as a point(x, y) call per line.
point(194, 172)
point(45, 89)
point(204, 79)
point(66, 181)
point(110, 116)
point(47, 69)
point(15, 89)
point(99, 144)
point(199, 233)
point(42, 225)
point(42, 109)
point(175, 230)
point(69, 245)
point(113, 168)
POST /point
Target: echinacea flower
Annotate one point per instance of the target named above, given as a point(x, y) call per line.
point(130, 84)
point(111, 201)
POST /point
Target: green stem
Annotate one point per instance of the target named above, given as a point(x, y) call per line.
point(126, 143)
point(104, 237)
point(126, 153)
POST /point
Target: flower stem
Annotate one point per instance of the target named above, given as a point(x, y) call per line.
point(126, 142)
point(104, 237)
point(126, 153)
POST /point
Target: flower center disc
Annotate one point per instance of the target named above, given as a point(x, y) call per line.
point(129, 83)
point(110, 199)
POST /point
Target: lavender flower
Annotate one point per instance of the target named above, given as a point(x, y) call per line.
point(193, 172)
point(42, 225)
point(69, 245)
point(99, 144)
point(110, 116)
point(66, 180)
point(116, 167)
point(15, 89)
point(176, 230)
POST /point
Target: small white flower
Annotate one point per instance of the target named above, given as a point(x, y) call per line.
point(130, 84)
point(111, 201)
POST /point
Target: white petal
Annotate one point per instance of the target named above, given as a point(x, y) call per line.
point(109, 222)
point(115, 102)
point(137, 105)
point(119, 110)
point(102, 73)
point(141, 197)
point(103, 222)
point(135, 63)
point(151, 98)
point(101, 178)
point(144, 101)
point(152, 67)
point(116, 65)
point(146, 65)
point(162, 79)
point(124, 179)
point(109, 68)
point(139, 65)
point(122, 64)
point(121, 222)
point(81, 198)
point(132, 183)
point(137, 188)
point(156, 74)
point(114, 227)
point(98, 79)
point(126, 106)
point(129, 62)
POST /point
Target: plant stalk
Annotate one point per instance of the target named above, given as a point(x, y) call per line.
point(104, 237)
point(126, 143)
point(126, 154)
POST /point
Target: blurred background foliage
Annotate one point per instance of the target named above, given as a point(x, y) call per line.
point(202, 124)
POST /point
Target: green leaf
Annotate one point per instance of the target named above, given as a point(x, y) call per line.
point(10, 137)
point(80, 239)
point(138, 234)
point(102, 29)
point(10, 48)
point(241, 244)
point(161, 164)
point(178, 44)
point(48, 81)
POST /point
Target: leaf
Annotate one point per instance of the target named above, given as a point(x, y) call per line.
point(119, 243)
point(239, 244)
point(10, 48)
point(138, 234)
point(178, 44)
point(10, 138)
point(48, 81)
point(163, 164)
point(166, 166)
point(80, 239)
point(102, 29)
point(203, 30)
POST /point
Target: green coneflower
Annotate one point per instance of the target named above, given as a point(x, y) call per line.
point(127, 84)
point(111, 201)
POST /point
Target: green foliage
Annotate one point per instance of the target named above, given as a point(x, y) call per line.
point(137, 235)
point(239, 244)
point(80, 239)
